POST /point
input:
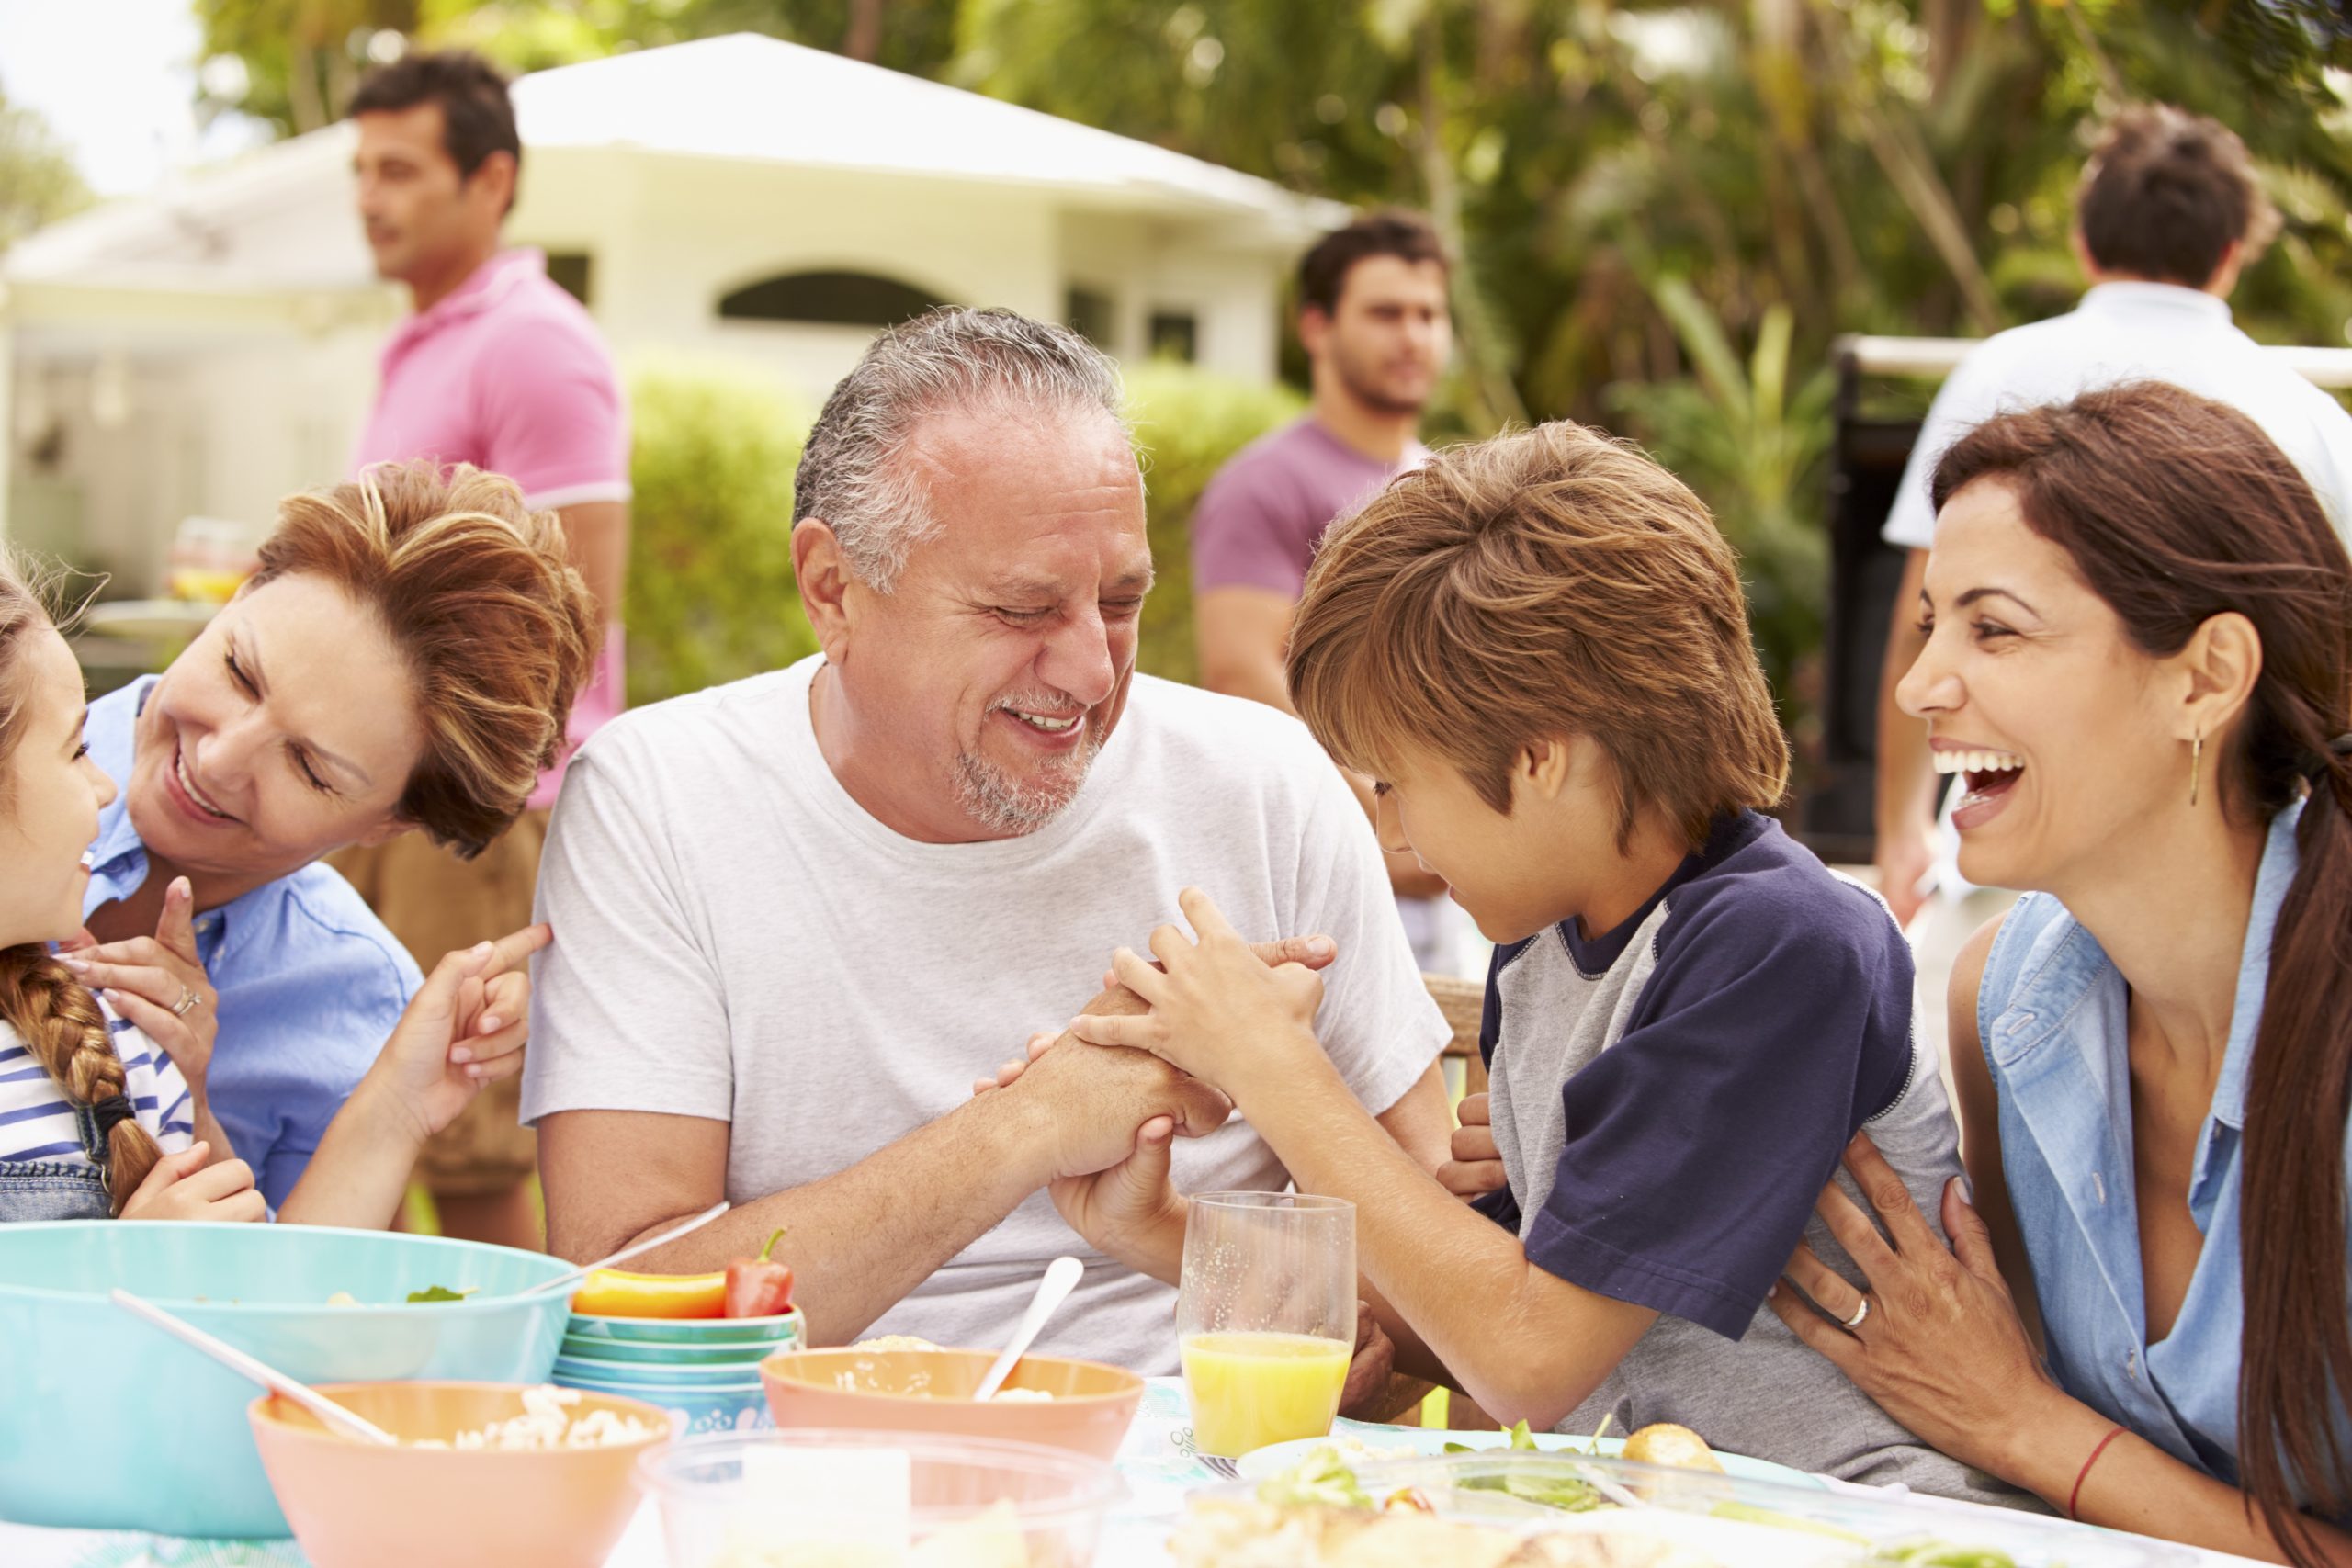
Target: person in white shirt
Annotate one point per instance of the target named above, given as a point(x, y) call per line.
point(797, 915)
point(2168, 214)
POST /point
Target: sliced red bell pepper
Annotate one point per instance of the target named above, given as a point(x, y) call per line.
point(758, 1287)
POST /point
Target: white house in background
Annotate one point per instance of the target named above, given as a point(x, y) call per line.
point(207, 348)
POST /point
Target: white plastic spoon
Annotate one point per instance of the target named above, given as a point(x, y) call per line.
point(347, 1422)
point(1061, 1277)
point(626, 1253)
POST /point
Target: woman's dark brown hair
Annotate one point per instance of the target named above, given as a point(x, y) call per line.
point(2175, 509)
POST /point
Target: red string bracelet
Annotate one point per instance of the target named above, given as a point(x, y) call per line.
point(2084, 1475)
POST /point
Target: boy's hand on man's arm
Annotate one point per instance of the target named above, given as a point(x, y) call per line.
point(1217, 1011)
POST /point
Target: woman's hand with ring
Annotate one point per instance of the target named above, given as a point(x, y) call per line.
point(160, 986)
point(1937, 1340)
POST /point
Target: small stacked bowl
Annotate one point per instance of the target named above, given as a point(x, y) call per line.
point(704, 1370)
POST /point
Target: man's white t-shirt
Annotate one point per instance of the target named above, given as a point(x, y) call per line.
point(2131, 332)
point(738, 939)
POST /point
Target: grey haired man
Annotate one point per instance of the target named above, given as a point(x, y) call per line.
point(796, 914)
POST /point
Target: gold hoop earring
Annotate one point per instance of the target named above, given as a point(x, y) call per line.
point(2196, 767)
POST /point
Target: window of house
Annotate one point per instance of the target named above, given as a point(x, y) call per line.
point(1175, 335)
point(1088, 312)
point(571, 271)
point(828, 299)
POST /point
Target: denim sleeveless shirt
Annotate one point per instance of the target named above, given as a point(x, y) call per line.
point(58, 1189)
point(2050, 1014)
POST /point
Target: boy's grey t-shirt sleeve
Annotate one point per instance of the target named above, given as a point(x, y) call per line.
point(627, 1010)
point(1378, 1023)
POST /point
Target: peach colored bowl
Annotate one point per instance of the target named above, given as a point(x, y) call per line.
point(931, 1391)
point(358, 1505)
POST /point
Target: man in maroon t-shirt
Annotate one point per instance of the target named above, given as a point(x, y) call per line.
point(1372, 317)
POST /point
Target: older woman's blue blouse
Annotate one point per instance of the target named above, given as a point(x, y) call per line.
point(2051, 1014)
point(310, 981)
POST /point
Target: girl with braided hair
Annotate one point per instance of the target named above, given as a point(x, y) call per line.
point(93, 1119)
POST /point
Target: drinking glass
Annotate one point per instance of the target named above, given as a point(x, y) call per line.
point(1265, 1316)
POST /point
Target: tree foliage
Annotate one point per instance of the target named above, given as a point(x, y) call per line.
point(1664, 213)
point(38, 180)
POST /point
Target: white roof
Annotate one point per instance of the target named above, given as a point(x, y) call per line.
point(281, 218)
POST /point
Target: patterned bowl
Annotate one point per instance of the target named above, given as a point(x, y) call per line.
point(692, 1412)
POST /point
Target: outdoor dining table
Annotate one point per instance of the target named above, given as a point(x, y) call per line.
point(1157, 1462)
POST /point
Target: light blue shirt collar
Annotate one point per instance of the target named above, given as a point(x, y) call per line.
point(2270, 885)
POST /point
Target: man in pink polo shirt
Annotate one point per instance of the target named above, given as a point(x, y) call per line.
point(498, 368)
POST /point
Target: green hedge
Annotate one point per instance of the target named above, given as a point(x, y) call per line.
point(1188, 423)
point(711, 596)
point(710, 593)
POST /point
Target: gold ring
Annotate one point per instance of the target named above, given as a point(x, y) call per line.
point(188, 1000)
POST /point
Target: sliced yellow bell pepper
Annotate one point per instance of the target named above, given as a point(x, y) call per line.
point(612, 1293)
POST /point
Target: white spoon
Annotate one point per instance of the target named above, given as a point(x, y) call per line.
point(626, 1253)
point(1061, 1277)
point(347, 1422)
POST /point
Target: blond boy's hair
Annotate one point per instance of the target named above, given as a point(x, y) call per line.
point(1548, 583)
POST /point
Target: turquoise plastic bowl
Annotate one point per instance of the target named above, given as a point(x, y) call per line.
point(688, 1330)
point(581, 1348)
point(179, 1455)
point(733, 1407)
point(595, 1370)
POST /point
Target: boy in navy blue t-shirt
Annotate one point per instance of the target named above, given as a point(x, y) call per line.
point(1538, 647)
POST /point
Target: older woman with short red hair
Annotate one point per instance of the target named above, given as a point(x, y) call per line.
point(403, 661)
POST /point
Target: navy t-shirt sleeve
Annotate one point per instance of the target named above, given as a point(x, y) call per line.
point(1500, 1206)
point(1698, 1143)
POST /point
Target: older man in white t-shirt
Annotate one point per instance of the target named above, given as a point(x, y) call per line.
point(2169, 213)
point(797, 916)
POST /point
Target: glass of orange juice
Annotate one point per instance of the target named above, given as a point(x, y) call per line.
point(1265, 1316)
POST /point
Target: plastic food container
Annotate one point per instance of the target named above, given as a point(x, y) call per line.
point(358, 1505)
point(106, 1383)
point(1756, 1524)
point(786, 1498)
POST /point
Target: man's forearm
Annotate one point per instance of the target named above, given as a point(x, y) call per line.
point(597, 534)
point(1257, 676)
point(1905, 775)
point(861, 1240)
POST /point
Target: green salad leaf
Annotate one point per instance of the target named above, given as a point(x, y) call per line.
point(442, 1293)
point(1564, 1493)
point(1321, 1478)
point(1522, 1441)
point(1944, 1554)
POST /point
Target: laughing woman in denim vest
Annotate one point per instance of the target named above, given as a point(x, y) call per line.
point(2140, 662)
